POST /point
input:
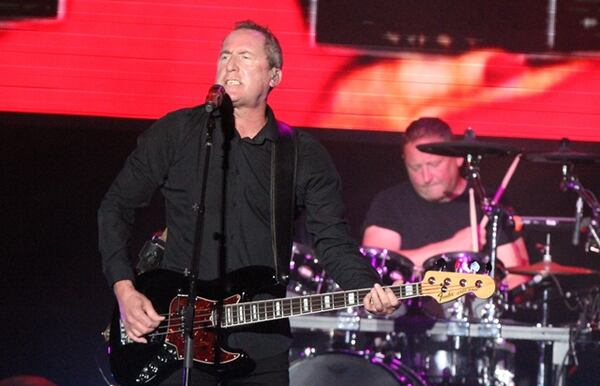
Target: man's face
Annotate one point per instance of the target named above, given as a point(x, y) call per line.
point(243, 68)
point(434, 177)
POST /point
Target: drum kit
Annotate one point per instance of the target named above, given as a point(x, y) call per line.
point(465, 342)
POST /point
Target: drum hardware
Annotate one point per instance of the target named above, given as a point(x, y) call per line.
point(307, 276)
point(547, 222)
point(543, 269)
point(468, 146)
point(559, 336)
point(467, 308)
point(548, 267)
point(352, 368)
point(437, 331)
point(389, 265)
point(551, 268)
point(473, 151)
point(564, 155)
point(568, 159)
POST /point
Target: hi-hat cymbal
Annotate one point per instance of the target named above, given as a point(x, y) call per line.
point(550, 268)
point(467, 146)
point(564, 155)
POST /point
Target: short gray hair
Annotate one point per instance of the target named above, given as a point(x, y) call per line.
point(272, 46)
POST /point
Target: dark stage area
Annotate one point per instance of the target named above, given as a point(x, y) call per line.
point(56, 169)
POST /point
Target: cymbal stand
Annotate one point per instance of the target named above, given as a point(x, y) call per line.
point(571, 182)
point(494, 211)
point(489, 208)
point(544, 377)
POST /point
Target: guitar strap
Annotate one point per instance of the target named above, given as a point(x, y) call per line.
point(284, 162)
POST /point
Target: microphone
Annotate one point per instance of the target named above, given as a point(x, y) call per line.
point(214, 98)
point(578, 217)
point(525, 286)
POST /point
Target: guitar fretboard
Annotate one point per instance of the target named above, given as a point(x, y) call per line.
point(263, 310)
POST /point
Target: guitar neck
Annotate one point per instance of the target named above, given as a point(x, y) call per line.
point(264, 310)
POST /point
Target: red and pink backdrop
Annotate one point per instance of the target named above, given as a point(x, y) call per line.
point(141, 59)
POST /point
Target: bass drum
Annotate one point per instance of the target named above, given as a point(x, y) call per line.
point(467, 307)
point(351, 368)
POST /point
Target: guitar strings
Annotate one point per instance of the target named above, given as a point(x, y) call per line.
point(268, 306)
point(175, 322)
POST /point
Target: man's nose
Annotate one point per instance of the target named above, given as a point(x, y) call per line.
point(426, 175)
point(231, 64)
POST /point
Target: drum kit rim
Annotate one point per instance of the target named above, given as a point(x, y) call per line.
point(473, 150)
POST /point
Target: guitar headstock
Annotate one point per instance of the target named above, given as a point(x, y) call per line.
point(448, 286)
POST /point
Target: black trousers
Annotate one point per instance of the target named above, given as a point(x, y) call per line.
point(272, 371)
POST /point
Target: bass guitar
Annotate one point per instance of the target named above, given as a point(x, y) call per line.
point(147, 364)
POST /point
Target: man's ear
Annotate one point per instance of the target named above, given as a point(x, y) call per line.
point(275, 77)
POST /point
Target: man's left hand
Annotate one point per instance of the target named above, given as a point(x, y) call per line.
point(381, 301)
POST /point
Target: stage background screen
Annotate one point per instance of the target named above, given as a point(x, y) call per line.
point(507, 69)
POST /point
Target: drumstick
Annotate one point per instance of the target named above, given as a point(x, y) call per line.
point(506, 179)
point(473, 220)
point(502, 187)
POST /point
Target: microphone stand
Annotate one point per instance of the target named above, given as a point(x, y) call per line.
point(192, 275)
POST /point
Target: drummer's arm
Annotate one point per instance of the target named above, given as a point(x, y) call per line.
point(375, 236)
point(514, 254)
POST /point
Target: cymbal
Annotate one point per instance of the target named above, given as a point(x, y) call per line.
point(564, 155)
point(467, 146)
point(550, 268)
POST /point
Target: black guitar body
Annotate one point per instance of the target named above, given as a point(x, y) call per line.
point(148, 364)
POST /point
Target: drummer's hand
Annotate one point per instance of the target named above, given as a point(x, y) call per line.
point(380, 301)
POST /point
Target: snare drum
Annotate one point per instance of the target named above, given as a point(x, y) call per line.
point(467, 307)
point(351, 368)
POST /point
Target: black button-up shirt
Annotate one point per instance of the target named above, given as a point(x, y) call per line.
point(169, 157)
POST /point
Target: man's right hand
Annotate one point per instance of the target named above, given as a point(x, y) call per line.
point(137, 313)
